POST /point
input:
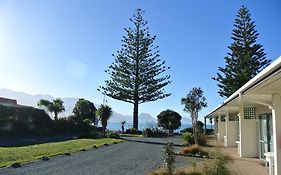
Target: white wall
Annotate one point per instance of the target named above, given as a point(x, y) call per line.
point(221, 129)
point(248, 136)
point(231, 133)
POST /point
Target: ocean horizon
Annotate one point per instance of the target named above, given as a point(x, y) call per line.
point(142, 126)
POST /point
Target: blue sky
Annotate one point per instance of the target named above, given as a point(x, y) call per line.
point(62, 47)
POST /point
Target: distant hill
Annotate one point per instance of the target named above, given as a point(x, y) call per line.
point(69, 103)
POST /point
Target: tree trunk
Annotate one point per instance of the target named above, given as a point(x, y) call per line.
point(103, 128)
point(135, 116)
point(195, 128)
point(56, 116)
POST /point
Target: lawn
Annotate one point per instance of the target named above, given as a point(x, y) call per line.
point(24, 154)
point(131, 135)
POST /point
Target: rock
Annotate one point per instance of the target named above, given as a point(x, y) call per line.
point(106, 144)
point(94, 146)
point(83, 149)
point(67, 154)
point(45, 158)
point(16, 165)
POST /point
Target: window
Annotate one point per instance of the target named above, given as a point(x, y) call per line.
point(222, 118)
point(233, 117)
point(249, 113)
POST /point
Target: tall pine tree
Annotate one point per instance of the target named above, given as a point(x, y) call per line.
point(135, 75)
point(246, 57)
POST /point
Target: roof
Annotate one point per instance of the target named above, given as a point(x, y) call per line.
point(7, 101)
point(270, 70)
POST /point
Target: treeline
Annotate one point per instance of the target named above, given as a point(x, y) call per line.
point(24, 120)
point(29, 121)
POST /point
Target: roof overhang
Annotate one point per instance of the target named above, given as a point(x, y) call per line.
point(258, 90)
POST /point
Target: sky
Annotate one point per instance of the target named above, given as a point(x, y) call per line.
point(62, 47)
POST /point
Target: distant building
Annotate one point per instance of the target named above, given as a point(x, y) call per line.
point(7, 101)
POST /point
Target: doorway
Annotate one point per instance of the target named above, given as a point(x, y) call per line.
point(265, 134)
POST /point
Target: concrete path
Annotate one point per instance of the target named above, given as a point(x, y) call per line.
point(138, 156)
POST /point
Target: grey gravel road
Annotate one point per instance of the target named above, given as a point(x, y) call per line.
point(138, 156)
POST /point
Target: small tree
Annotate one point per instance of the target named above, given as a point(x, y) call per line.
point(193, 103)
point(169, 158)
point(56, 106)
point(85, 109)
point(169, 120)
point(136, 75)
point(104, 112)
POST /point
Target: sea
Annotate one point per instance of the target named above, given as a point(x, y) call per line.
point(142, 126)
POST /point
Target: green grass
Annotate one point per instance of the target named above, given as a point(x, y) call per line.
point(131, 135)
point(24, 154)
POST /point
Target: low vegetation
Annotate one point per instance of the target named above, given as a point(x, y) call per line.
point(193, 150)
point(131, 135)
point(189, 139)
point(24, 154)
point(112, 134)
point(217, 165)
point(154, 132)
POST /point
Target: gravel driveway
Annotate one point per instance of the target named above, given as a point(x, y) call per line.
point(138, 156)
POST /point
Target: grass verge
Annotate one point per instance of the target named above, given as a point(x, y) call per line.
point(131, 135)
point(24, 154)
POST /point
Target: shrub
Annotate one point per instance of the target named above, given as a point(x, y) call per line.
point(187, 173)
point(112, 134)
point(202, 139)
point(190, 130)
point(194, 149)
point(24, 120)
point(148, 132)
point(187, 136)
point(209, 131)
point(90, 135)
point(133, 131)
point(154, 132)
point(87, 121)
point(219, 167)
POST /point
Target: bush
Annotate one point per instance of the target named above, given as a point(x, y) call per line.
point(112, 134)
point(90, 135)
point(209, 131)
point(24, 120)
point(87, 121)
point(194, 149)
point(154, 132)
point(148, 132)
point(219, 167)
point(202, 139)
point(190, 130)
point(133, 131)
point(187, 136)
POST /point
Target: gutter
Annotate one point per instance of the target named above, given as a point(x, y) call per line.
point(271, 70)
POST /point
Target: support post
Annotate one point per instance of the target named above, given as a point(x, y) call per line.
point(205, 128)
point(276, 122)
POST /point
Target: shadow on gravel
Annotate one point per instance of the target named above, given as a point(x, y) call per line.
point(150, 142)
point(25, 141)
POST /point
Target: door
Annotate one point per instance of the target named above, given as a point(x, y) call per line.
point(266, 132)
